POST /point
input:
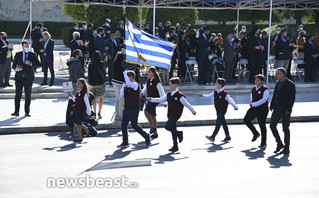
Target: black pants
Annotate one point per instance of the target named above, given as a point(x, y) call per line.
point(110, 70)
point(48, 64)
point(171, 126)
point(27, 85)
point(310, 70)
point(275, 118)
point(261, 115)
point(229, 68)
point(131, 115)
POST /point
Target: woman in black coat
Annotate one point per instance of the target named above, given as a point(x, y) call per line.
point(97, 76)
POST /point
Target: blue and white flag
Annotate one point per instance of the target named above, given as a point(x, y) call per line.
point(143, 48)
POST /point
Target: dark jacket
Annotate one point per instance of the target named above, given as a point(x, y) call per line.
point(203, 45)
point(309, 51)
point(118, 69)
point(100, 45)
point(96, 74)
point(282, 49)
point(28, 72)
point(35, 37)
point(86, 35)
point(75, 69)
point(229, 51)
point(74, 45)
point(284, 98)
point(49, 49)
point(112, 48)
point(4, 52)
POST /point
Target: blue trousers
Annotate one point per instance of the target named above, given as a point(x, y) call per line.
point(48, 63)
point(171, 126)
point(131, 115)
point(221, 121)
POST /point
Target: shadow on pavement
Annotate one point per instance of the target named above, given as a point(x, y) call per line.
point(254, 153)
point(215, 147)
point(279, 162)
point(11, 121)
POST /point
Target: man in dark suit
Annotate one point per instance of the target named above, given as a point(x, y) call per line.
point(99, 42)
point(107, 28)
point(74, 28)
point(203, 62)
point(281, 104)
point(5, 60)
point(87, 33)
point(48, 59)
point(112, 46)
point(229, 57)
point(77, 43)
point(23, 64)
point(36, 37)
point(311, 54)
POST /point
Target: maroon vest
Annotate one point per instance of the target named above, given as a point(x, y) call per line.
point(175, 107)
point(80, 106)
point(132, 98)
point(151, 87)
point(258, 95)
point(221, 104)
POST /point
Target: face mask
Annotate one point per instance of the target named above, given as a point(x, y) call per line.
point(4, 38)
point(301, 28)
point(265, 36)
point(232, 39)
point(285, 37)
point(85, 26)
point(76, 28)
point(104, 35)
point(278, 32)
point(95, 32)
point(27, 49)
point(113, 37)
point(77, 38)
point(244, 30)
point(167, 35)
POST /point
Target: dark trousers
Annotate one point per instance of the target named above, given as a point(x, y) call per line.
point(221, 121)
point(261, 115)
point(202, 70)
point(27, 85)
point(5, 71)
point(171, 126)
point(48, 63)
point(131, 115)
point(229, 69)
point(275, 118)
point(310, 71)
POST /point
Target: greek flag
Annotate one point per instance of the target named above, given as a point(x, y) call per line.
point(143, 48)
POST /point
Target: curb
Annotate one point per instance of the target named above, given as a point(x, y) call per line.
point(64, 128)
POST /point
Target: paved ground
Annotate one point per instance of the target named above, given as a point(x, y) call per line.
point(199, 169)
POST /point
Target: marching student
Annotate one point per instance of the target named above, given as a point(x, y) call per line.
point(131, 94)
point(221, 100)
point(81, 108)
point(176, 101)
point(153, 89)
point(258, 109)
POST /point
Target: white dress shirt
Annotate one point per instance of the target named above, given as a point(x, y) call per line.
point(229, 99)
point(261, 101)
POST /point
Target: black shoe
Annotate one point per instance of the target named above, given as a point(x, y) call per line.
point(100, 117)
point(77, 140)
point(210, 138)
point(50, 85)
point(154, 135)
point(152, 130)
point(286, 151)
point(227, 139)
point(180, 136)
point(256, 136)
point(262, 146)
point(279, 147)
point(173, 149)
point(148, 139)
point(8, 85)
point(42, 84)
point(124, 145)
point(2, 85)
point(15, 114)
point(27, 115)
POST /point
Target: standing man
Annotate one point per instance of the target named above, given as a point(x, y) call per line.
point(281, 105)
point(112, 47)
point(282, 50)
point(229, 57)
point(36, 37)
point(311, 55)
point(258, 109)
point(74, 28)
point(107, 28)
point(5, 60)
point(48, 60)
point(99, 42)
point(203, 49)
point(23, 64)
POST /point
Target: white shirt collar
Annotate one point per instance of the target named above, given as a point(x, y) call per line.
point(220, 90)
point(173, 92)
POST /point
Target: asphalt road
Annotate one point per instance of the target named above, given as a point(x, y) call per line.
point(31, 162)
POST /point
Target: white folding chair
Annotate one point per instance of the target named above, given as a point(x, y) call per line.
point(272, 70)
point(242, 71)
point(298, 71)
point(63, 61)
point(190, 70)
point(215, 70)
